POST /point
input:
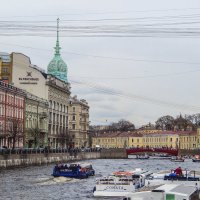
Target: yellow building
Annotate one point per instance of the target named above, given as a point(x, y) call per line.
point(167, 139)
point(135, 140)
point(163, 139)
point(6, 67)
point(111, 140)
point(190, 140)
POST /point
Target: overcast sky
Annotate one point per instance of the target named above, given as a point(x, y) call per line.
point(136, 60)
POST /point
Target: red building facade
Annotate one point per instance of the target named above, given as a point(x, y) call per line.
point(12, 116)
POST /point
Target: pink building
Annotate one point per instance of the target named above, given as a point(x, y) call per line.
point(12, 115)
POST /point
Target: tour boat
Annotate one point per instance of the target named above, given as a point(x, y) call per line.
point(196, 158)
point(120, 183)
point(167, 192)
point(177, 159)
point(74, 170)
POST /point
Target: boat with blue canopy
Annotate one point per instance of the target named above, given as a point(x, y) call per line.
point(74, 170)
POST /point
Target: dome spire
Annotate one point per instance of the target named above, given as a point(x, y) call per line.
point(57, 48)
point(57, 66)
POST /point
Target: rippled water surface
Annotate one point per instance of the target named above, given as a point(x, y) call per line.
point(36, 182)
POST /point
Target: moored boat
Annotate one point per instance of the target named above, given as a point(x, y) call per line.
point(178, 175)
point(196, 158)
point(142, 157)
point(74, 170)
point(177, 159)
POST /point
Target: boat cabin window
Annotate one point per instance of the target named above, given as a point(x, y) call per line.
point(135, 176)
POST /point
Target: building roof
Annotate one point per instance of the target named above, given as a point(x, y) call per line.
point(5, 57)
point(119, 134)
point(171, 133)
point(139, 134)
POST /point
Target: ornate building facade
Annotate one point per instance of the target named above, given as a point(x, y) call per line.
point(36, 129)
point(58, 95)
point(53, 87)
point(79, 122)
point(12, 107)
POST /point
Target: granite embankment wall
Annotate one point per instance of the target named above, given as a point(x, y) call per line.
point(14, 160)
point(114, 153)
point(189, 152)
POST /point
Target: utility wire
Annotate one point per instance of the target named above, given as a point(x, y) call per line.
point(108, 57)
point(110, 91)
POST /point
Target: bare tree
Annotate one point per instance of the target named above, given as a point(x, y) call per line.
point(122, 125)
point(194, 119)
point(35, 134)
point(165, 123)
point(15, 130)
point(65, 139)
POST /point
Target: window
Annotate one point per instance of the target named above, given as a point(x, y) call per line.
point(5, 70)
point(74, 109)
point(73, 126)
point(73, 117)
point(50, 104)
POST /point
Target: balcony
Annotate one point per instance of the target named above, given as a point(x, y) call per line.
point(43, 115)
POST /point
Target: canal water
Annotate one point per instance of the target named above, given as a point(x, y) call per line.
point(36, 182)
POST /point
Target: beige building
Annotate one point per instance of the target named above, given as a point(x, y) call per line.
point(79, 122)
point(58, 95)
point(36, 127)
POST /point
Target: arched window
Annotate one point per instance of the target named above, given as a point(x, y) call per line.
point(50, 104)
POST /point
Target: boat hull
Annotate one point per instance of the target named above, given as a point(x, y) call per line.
point(111, 194)
point(71, 175)
point(177, 160)
point(193, 160)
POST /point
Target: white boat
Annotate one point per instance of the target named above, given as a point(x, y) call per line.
point(196, 158)
point(177, 159)
point(120, 183)
point(167, 192)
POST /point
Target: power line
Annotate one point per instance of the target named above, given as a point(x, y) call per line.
point(109, 57)
point(110, 91)
point(100, 13)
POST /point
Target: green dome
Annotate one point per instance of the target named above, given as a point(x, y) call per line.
point(57, 66)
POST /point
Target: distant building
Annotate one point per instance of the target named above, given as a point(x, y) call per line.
point(136, 139)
